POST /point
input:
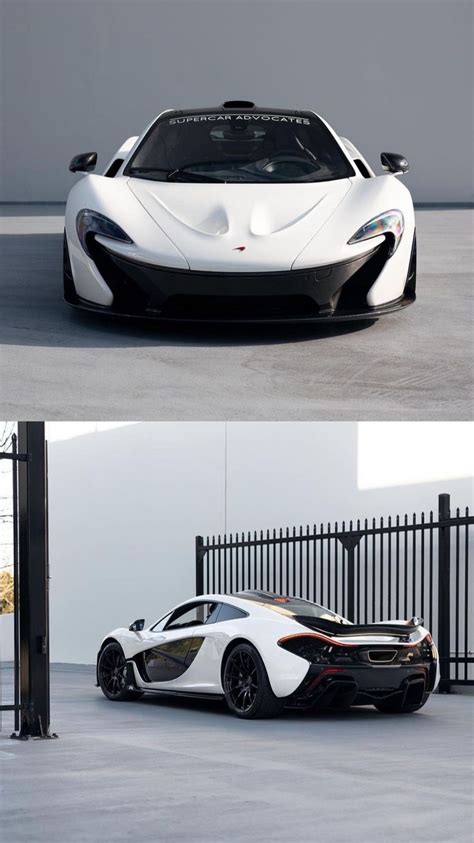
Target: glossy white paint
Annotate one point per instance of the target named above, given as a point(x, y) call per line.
point(198, 225)
point(263, 627)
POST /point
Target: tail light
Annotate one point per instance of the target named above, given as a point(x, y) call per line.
point(316, 650)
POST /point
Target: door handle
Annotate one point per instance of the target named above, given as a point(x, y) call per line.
point(159, 638)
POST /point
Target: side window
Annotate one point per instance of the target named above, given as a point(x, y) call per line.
point(194, 614)
point(160, 625)
point(229, 613)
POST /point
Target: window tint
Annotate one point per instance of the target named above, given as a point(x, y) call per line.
point(290, 605)
point(194, 614)
point(229, 613)
point(240, 147)
point(160, 625)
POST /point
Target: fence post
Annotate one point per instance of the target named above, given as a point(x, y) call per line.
point(444, 580)
point(200, 553)
point(349, 542)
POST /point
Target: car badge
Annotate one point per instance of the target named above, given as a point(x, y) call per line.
point(239, 248)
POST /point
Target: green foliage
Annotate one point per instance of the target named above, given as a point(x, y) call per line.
point(6, 592)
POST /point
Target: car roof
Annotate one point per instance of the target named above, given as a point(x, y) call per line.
point(250, 601)
point(239, 106)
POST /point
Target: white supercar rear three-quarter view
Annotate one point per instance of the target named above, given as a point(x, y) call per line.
point(262, 652)
point(239, 213)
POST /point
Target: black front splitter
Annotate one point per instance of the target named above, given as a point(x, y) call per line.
point(368, 313)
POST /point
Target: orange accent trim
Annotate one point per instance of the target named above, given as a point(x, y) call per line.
point(316, 635)
point(340, 644)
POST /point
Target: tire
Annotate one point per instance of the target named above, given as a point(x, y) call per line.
point(111, 674)
point(246, 686)
point(69, 289)
point(399, 708)
point(410, 286)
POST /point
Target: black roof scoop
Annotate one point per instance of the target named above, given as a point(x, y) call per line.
point(238, 104)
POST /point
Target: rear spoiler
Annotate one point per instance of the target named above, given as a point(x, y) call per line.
point(342, 630)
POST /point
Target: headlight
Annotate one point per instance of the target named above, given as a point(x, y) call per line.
point(390, 223)
point(91, 222)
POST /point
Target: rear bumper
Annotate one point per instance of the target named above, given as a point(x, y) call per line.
point(328, 293)
point(325, 687)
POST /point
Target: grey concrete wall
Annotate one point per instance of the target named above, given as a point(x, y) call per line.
point(85, 74)
point(126, 504)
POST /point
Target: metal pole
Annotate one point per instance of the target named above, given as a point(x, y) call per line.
point(16, 591)
point(199, 565)
point(350, 583)
point(349, 542)
point(33, 590)
point(444, 580)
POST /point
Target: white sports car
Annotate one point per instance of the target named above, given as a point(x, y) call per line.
point(239, 213)
point(262, 652)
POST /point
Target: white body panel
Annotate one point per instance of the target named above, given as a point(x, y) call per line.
point(198, 226)
point(262, 627)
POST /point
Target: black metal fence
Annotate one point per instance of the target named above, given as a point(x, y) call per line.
point(366, 571)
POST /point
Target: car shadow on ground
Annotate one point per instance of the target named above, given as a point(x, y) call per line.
point(33, 311)
point(182, 705)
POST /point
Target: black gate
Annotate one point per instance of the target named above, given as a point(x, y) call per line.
point(366, 571)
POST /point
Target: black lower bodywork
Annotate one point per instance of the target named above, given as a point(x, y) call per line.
point(338, 687)
point(400, 674)
point(337, 292)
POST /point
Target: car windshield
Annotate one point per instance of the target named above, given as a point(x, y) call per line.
point(290, 605)
point(239, 147)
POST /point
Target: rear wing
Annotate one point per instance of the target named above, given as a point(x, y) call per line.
point(341, 630)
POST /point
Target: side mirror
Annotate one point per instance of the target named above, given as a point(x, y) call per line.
point(83, 163)
point(137, 626)
point(394, 163)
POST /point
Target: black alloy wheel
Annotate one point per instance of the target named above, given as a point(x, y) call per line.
point(246, 686)
point(112, 674)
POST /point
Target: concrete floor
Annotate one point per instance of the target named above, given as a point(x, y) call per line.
point(160, 770)
point(56, 363)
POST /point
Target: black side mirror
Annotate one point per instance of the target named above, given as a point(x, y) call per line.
point(394, 163)
point(137, 626)
point(83, 163)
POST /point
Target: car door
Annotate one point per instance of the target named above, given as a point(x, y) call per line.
point(210, 640)
point(171, 646)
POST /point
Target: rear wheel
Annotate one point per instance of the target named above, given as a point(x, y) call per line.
point(399, 708)
point(246, 686)
point(112, 676)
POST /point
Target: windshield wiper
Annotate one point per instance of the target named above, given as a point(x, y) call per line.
point(187, 175)
point(174, 175)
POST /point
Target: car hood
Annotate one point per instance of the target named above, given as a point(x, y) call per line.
point(239, 227)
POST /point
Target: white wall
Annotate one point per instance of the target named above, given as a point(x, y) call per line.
point(85, 74)
point(126, 504)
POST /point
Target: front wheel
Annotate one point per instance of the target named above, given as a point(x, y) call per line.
point(112, 675)
point(246, 685)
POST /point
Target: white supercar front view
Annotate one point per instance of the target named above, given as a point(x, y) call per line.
point(239, 213)
point(262, 652)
